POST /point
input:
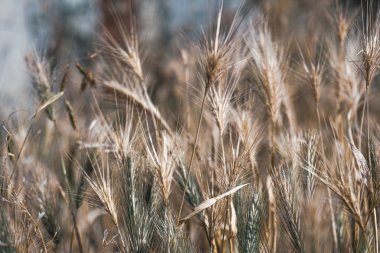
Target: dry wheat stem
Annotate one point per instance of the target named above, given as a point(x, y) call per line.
point(192, 155)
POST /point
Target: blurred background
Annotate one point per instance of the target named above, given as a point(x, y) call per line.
point(66, 31)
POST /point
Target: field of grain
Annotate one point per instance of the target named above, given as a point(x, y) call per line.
point(256, 132)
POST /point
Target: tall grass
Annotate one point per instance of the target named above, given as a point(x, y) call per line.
point(276, 148)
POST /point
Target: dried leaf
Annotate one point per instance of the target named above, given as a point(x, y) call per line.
point(88, 76)
point(206, 204)
point(71, 113)
point(63, 82)
point(49, 102)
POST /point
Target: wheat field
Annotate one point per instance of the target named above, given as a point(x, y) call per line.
point(263, 135)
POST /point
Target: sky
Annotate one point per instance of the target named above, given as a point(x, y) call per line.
point(13, 48)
